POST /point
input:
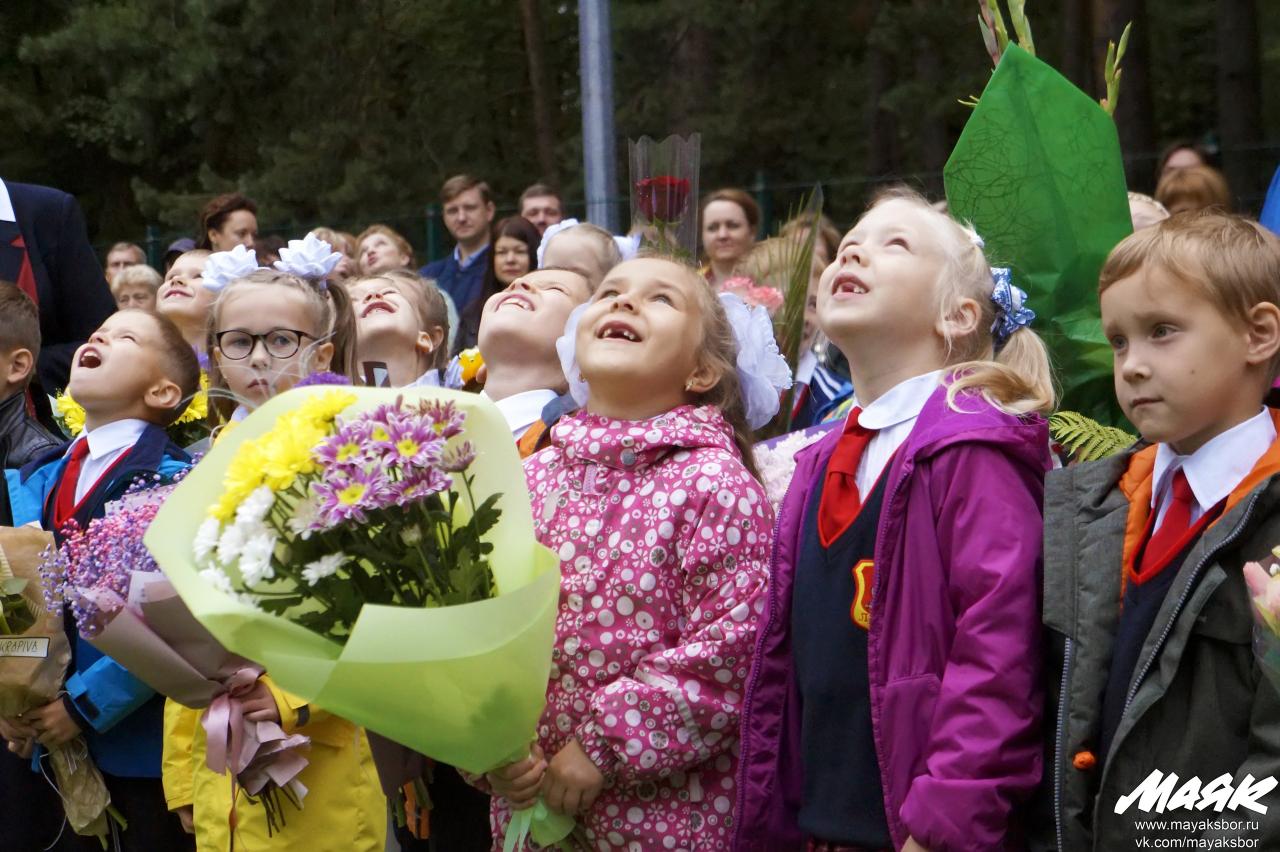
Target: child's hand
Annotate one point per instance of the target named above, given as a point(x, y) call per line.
point(54, 725)
point(187, 816)
point(20, 735)
point(259, 705)
point(912, 846)
point(518, 783)
point(573, 782)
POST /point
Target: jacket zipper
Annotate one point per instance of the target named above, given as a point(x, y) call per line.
point(1059, 765)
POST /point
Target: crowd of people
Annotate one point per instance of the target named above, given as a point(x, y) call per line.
point(938, 634)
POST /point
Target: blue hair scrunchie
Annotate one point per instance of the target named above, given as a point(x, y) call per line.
point(1012, 312)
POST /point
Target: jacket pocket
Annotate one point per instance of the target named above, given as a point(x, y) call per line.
point(906, 722)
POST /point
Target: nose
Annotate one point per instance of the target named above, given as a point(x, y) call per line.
point(258, 355)
point(98, 337)
point(624, 303)
point(522, 284)
point(1132, 367)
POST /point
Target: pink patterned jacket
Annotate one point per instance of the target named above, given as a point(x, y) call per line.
point(664, 540)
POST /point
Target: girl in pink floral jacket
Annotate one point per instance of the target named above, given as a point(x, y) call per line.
point(664, 536)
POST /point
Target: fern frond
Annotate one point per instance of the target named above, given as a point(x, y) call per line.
point(1087, 439)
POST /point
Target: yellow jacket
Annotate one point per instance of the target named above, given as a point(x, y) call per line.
point(344, 809)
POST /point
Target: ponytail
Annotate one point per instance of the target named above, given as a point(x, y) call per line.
point(1018, 380)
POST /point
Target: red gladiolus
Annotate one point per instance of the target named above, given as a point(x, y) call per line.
point(663, 199)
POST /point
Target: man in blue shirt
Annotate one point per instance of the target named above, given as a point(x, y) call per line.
point(468, 214)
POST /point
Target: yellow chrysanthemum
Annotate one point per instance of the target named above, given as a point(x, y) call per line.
point(322, 409)
point(471, 361)
point(71, 413)
point(198, 409)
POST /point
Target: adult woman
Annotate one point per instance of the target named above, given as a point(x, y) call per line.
point(515, 251)
point(730, 218)
point(228, 221)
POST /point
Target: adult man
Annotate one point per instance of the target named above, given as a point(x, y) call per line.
point(468, 213)
point(122, 255)
point(45, 250)
point(541, 205)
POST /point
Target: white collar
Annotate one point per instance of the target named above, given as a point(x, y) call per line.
point(6, 205)
point(114, 436)
point(523, 409)
point(804, 368)
point(429, 379)
point(902, 402)
point(1214, 470)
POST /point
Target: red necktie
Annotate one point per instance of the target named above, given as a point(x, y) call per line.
point(1169, 538)
point(840, 498)
point(64, 505)
point(26, 275)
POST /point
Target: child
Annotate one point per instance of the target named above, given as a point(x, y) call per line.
point(587, 249)
point(663, 534)
point(895, 698)
point(22, 438)
point(135, 287)
point(133, 377)
point(401, 329)
point(518, 331)
point(183, 299)
point(381, 248)
point(268, 331)
point(1143, 551)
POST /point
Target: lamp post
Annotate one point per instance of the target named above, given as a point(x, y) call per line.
point(598, 146)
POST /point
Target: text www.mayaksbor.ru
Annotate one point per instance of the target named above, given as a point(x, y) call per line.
point(1161, 829)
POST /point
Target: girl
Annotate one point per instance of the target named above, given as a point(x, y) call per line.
point(895, 698)
point(183, 299)
point(664, 534)
point(730, 218)
point(586, 249)
point(267, 331)
point(402, 328)
point(515, 252)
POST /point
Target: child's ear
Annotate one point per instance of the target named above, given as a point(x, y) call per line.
point(961, 322)
point(163, 395)
point(1264, 333)
point(21, 362)
point(321, 357)
point(703, 378)
point(430, 341)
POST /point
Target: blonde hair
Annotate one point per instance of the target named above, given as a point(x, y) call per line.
point(1197, 186)
point(1232, 261)
point(137, 275)
point(330, 310)
point(390, 233)
point(605, 257)
point(337, 240)
point(428, 305)
point(1017, 377)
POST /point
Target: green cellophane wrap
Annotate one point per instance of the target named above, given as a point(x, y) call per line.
point(1038, 173)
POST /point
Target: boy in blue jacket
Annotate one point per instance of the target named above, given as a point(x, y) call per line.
point(133, 377)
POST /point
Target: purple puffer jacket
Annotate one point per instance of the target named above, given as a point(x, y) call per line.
point(954, 644)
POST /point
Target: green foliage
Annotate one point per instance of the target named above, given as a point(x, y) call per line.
point(1087, 439)
point(16, 616)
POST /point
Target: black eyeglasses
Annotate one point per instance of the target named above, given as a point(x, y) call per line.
point(279, 342)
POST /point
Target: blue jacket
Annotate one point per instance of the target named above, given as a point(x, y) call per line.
point(464, 286)
point(121, 716)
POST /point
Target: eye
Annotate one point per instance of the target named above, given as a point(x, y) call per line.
point(1117, 342)
point(1162, 330)
point(279, 338)
point(663, 298)
point(899, 241)
point(609, 293)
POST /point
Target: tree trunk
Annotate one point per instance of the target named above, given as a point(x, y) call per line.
point(543, 119)
point(690, 79)
point(1240, 99)
point(1135, 115)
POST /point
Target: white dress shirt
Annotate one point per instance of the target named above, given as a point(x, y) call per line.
point(523, 409)
point(1214, 470)
point(6, 205)
point(106, 445)
point(893, 416)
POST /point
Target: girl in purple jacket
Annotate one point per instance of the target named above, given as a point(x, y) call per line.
point(895, 700)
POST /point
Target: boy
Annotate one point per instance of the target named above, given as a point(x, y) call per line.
point(133, 377)
point(135, 287)
point(1144, 593)
point(22, 438)
point(517, 338)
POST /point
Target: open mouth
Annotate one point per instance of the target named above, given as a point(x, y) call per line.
point(377, 307)
point(176, 293)
point(848, 284)
point(516, 300)
point(617, 331)
point(89, 359)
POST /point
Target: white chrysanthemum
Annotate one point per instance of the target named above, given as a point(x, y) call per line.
point(218, 578)
point(206, 540)
point(230, 544)
point(325, 566)
point(254, 508)
point(411, 535)
point(255, 561)
point(304, 513)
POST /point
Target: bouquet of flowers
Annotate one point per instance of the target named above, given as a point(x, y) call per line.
point(746, 289)
point(1263, 580)
point(359, 546)
point(127, 609)
point(34, 655)
point(664, 178)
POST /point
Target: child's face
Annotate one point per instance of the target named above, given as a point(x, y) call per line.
point(119, 371)
point(643, 332)
point(278, 313)
point(1182, 368)
point(383, 311)
point(181, 297)
point(884, 279)
point(574, 249)
point(135, 296)
point(379, 254)
point(532, 311)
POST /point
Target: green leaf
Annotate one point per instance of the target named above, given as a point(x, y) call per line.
point(1087, 439)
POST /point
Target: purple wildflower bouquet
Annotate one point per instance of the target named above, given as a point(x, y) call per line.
point(321, 515)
